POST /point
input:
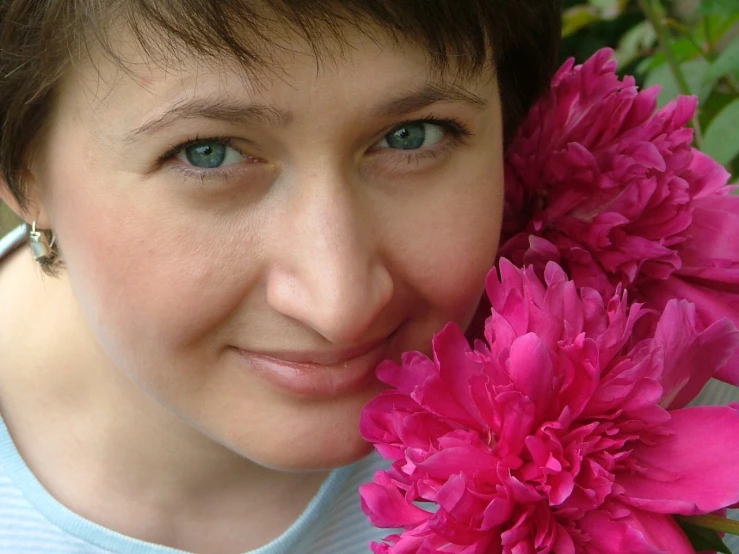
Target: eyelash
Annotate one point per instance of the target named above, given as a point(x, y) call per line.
point(457, 130)
point(200, 173)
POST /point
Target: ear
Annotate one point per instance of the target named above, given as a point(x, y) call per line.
point(32, 209)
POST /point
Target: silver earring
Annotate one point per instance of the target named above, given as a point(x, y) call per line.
point(42, 245)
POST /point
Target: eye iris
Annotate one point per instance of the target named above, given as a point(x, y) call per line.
point(206, 155)
point(408, 137)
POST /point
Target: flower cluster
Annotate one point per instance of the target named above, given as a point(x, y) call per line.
point(609, 187)
point(557, 434)
point(615, 301)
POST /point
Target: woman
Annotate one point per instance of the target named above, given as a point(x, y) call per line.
point(236, 210)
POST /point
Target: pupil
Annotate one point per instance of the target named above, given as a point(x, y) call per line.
point(410, 137)
point(208, 155)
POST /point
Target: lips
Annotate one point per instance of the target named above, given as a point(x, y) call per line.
point(318, 374)
point(328, 358)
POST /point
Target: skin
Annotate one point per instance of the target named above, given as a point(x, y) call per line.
point(319, 237)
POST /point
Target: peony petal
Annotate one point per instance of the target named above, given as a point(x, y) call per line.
point(691, 358)
point(711, 306)
point(531, 370)
point(608, 535)
point(691, 471)
point(660, 530)
point(515, 418)
point(456, 460)
point(415, 369)
point(450, 396)
point(498, 511)
point(580, 374)
point(709, 176)
point(386, 507)
point(633, 531)
point(715, 223)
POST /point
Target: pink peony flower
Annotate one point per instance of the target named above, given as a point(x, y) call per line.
point(557, 434)
point(609, 187)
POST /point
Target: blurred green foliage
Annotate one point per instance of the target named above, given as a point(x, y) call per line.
point(686, 47)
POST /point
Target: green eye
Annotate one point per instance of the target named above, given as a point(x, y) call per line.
point(210, 154)
point(412, 136)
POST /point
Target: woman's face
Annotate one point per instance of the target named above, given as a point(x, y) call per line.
point(247, 250)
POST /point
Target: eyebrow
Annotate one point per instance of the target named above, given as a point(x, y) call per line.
point(259, 114)
point(215, 109)
point(429, 94)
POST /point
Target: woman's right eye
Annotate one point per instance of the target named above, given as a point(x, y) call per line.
point(209, 154)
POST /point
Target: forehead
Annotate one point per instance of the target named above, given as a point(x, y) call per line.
point(132, 83)
point(251, 31)
point(255, 39)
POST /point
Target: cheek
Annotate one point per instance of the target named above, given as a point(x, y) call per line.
point(166, 283)
point(453, 242)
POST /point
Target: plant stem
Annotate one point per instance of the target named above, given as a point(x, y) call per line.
point(685, 30)
point(654, 12)
point(716, 523)
point(709, 38)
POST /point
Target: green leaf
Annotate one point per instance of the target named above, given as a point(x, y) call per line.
point(715, 103)
point(609, 9)
point(727, 62)
point(721, 139)
point(637, 39)
point(718, 7)
point(685, 49)
point(576, 18)
point(694, 71)
point(650, 63)
point(714, 28)
point(703, 539)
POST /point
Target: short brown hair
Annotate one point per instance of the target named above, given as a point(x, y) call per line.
point(41, 39)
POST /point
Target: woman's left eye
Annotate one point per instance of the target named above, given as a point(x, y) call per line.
point(209, 154)
point(413, 136)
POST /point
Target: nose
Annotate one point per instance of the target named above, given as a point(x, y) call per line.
point(330, 273)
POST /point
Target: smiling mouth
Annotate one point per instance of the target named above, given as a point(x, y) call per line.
point(318, 374)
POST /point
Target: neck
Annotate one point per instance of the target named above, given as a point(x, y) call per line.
point(83, 427)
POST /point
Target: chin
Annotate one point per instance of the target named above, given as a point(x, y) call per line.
point(305, 436)
point(316, 457)
point(328, 460)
